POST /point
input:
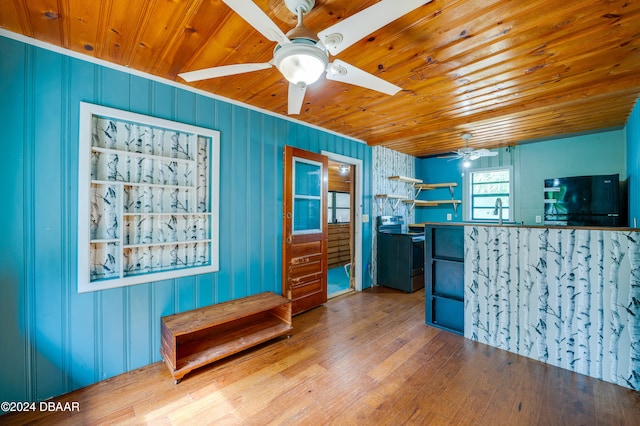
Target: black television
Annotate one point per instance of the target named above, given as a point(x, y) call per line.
point(585, 201)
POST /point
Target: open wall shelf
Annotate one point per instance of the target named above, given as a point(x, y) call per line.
point(147, 199)
point(434, 203)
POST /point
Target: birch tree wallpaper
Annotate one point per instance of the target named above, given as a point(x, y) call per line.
point(567, 297)
point(387, 162)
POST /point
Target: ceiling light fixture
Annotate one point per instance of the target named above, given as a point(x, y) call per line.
point(301, 61)
point(343, 169)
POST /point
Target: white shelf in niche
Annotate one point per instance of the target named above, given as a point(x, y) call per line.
point(141, 155)
point(152, 185)
point(147, 199)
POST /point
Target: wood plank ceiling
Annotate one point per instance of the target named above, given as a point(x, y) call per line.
point(506, 71)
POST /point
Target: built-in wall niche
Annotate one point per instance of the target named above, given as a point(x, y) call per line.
point(147, 199)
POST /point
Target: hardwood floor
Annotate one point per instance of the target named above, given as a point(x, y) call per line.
point(362, 358)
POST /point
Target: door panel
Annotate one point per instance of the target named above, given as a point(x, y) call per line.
point(304, 219)
point(300, 252)
point(299, 271)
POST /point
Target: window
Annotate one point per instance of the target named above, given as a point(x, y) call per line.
point(339, 208)
point(486, 186)
point(307, 196)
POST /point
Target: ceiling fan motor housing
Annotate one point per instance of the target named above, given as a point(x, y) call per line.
point(302, 5)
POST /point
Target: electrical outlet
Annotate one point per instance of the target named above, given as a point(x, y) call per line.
point(538, 219)
point(449, 217)
point(365, 218)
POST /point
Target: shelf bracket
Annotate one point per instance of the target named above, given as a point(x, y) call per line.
point(418, 191)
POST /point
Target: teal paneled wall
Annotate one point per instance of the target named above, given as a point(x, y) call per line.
point(55, 340)
point(594, 154)
point(633, 165)
point(439, 170)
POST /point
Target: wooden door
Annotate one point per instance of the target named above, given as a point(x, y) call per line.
point(304, 229)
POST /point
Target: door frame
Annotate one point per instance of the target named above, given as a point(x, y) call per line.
point(358, 196)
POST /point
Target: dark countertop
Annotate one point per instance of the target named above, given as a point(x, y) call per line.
point(519, 225)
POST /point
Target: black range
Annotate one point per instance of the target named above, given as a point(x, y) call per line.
point(400, 259)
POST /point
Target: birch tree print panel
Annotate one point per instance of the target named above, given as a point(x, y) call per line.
point(567, 297)
point(147, 199)
point(387, 162)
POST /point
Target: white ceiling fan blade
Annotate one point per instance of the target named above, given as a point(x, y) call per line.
point(486, 153)
point(296, 97)
point(345, 73)
point(222, 71)
point(354, 28)
point(474, 155)
point(259, 20)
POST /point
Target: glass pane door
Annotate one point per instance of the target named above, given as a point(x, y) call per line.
point(307, 196)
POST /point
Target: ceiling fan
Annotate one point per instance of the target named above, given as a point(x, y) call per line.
point(301, 55)
point(469, 154)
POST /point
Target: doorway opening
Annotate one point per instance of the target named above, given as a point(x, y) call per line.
point(344, 240)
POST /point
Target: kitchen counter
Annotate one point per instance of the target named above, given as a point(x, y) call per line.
point(562, 295)
point(421, 225)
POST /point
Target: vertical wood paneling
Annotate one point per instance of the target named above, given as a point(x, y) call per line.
point(59, 340)
point(239, 205)
point(272, 201)
point(254, 191)
point(139, 326)
point(111, 333)
point(67, 224)
point(163, 101)
point(14, 68)
point(223, 122)
point(81, 356)
point(163, 304)
point(48, 215)
point(140, 95)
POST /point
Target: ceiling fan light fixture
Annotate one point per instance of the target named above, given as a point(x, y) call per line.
point(302, 61)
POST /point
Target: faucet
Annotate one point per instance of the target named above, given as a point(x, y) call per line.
point(498, 210)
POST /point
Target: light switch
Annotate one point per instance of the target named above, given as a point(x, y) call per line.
point(365, 218)
point(538, 219)
point(449, 217)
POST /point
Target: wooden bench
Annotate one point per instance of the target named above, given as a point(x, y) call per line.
point(196, 338)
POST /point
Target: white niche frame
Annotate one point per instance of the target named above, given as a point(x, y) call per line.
point(148, 199)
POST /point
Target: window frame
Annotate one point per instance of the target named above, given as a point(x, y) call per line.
point(297, 196)
point(468, 194)
point(331, 205)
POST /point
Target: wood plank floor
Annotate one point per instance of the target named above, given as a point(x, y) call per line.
point(363, 358)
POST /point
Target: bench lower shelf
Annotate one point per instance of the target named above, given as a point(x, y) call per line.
point(196, 338)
